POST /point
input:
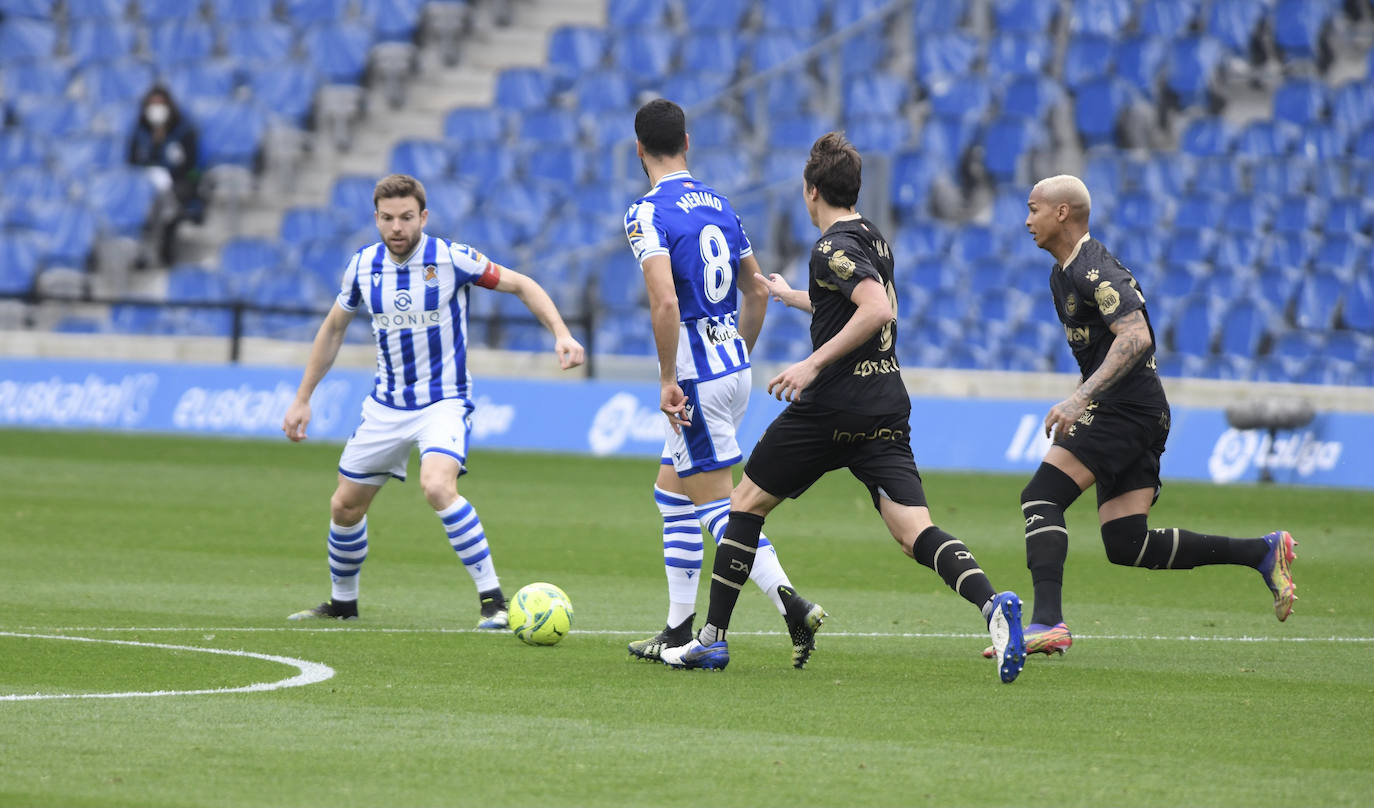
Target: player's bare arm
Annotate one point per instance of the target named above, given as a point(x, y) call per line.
point(1131, 341)
point(874, 311)
point(666, 317)
point(753, 304)
point(323, 352)
point(782, 291)
point(569, 351)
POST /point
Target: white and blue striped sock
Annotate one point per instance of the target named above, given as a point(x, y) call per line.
point(682, 553)
point(347, 552)
point(767, 571)
point(469, 541)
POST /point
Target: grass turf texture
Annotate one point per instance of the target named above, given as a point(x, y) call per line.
point(211, 543)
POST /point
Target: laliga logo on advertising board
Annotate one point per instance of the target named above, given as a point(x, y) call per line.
point(620, 419)
point(1237, 449)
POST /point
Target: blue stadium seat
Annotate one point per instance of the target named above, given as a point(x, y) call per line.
point(1233, 22)
point(947, 138)
point(121, 199)
point(945, 54)
point(1140, 210)
point(1298, 213)
point(1357, 305)
point(230, 132)
point(602, 91)
point(1190, 247)
point(1243, 327)
point(192, 283)
point(1087, 57)
point(52, 118)
point(1298, 25)
point(1266, 139)
point(1031, 96)
point(1247, 213)
point(1317, 299)
point(1097, 105)
point(122, 82)
point(1348, 214)
point(1342, 255)
point(712, 51)
point(1193, 326)
point(645, 55)
point(300, 225)
point(83, 155)
point(727, 169)
point(325, 261)
point(351, 197)
point(1321, 142)
point(716, 16)
point(1362, 145)
point(243, 258)
point(923, 238)
point(1138, 248)
point(1199, 210)
point(526, 206)
point(100, 41)
point(238, 10)
point(1176, 282)
point(1300, 101)
point(797, 15)
point(772, 48)
point(391, 20)
point(26, 41)
point(1139, 60)
point(1238, 250)
point(1352, 106)
point(797, 131)
point(1191, 62)
point(180, 42)
point(46, 78)
point(913, 172)
point(879, 133)
point(972, 243)
point(1167, 19)
point(311, 12)
point(20, 266)
point(843, 15)
point(961, 97)
point(609, 127)
point(865, 52)
point(1104, 17)
point(876, 94)
point(1349, 346)
point(423, 159)
point(1280, 177)
point(189, 83)
point(468, 125)
point(713, 130)
point(1208, 136)
point(286, 90)
point(1013, 54)
point(1020, 16)
point(637, 13)
point(337, 49)
point(557, 166)
point(259, 43)
point(550, 127)
point(930, 17)
point(1006, 141)
point(577, 48)
point(95, 9)
point(523, 88)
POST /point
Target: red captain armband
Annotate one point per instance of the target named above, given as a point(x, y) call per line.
point(490, 277)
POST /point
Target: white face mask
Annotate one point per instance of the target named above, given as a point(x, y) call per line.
point(157, 114)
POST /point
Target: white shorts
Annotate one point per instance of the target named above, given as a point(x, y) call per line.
point(380, 447)
point(716, 408)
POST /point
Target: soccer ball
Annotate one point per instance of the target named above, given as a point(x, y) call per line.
point(541, 614)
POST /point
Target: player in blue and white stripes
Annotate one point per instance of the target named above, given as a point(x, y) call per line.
point(707, 305)
point(416, 288)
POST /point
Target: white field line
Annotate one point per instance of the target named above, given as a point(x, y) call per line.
point(920, 635)
point(310, 672)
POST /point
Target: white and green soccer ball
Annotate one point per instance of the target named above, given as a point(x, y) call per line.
point(541, 614)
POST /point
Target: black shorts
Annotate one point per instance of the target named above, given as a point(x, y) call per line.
point(1121, 445)
point(805, 442)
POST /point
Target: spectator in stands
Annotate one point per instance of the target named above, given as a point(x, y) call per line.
point(1112, 430)
point(165, 143)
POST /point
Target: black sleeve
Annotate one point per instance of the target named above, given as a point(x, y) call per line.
point(840, 262)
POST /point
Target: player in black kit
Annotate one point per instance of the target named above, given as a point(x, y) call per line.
point(849, 409)
point(1112, 430)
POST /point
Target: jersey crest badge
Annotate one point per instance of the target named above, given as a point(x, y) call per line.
point(431, 276)
point(1071, 304)
point(842, 265)
point(1107, 298)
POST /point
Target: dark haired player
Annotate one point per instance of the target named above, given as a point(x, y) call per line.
point(706, 304)
point(1111, 431)
point(849, 409)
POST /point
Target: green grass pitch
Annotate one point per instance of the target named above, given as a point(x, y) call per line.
point(1181, 687)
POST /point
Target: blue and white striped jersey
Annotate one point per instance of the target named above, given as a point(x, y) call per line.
point(419, 317)
point(704, 240)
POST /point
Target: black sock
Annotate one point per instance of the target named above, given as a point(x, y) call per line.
point(953, 562)
point(1201, 549)
point(1043, 503)
point(729, 572)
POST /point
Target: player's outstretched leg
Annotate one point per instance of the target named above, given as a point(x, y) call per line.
point(1277, 571)
point(1008, 642)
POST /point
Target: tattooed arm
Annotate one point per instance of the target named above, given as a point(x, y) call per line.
point(1132, 340)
